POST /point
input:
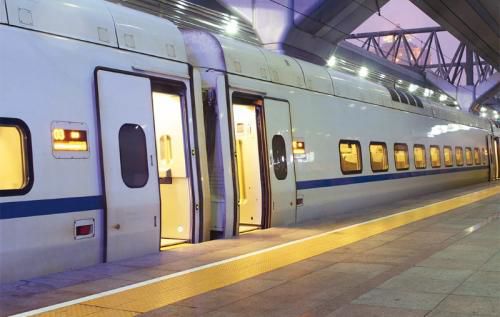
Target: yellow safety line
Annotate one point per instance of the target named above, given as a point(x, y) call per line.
point(194, 282)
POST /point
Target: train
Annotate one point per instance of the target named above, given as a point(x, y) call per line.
point(121, 134)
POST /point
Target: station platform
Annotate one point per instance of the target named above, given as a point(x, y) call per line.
point(438, 255)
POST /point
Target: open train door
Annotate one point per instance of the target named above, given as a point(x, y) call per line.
point(281, 164)
point(128, 158)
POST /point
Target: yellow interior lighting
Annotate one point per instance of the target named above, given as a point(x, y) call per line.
point(69, 140)
point(299, 147)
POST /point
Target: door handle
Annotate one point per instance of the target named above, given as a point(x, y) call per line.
point(117, 226)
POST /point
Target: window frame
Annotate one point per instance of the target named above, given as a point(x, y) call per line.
point(384, 145)
point(358, 144)
point(463, 156)
point(28, 156)
point(279, 176)
point(476, 150)
point(451, 156)
point(471, 155)
point(145, 153)
point(430, 156)
point(407, 157)
point(425, 156)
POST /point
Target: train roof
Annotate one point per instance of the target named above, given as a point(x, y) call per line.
point(217, 52)
point(99, 22)
point(105, 23)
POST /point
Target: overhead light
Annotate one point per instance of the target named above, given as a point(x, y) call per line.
point(483, 114)
point(483, 109)
point(363, 72)
point(496, 115)
point(412, 87)
point(331, 61)
point(443, 97)
point(400, 81)
point(457, 107)
point(455, 103)
point(495, 112)
point(382, 75)
point(232, 27)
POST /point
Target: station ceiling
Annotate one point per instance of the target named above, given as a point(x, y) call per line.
point(475, 22)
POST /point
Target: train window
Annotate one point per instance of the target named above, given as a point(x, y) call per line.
point(279, 157)
point(378, 157)
point(485, 156)
point(133, 155)
point(435, 156)
point(448, 156)
point(477, 158)
point(350, 157)
point(459, 156)
point(16, 169)
point(401, 156)
point(468, 156)
point(419, 156)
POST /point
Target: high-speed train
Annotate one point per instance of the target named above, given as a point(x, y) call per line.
point(121, 134)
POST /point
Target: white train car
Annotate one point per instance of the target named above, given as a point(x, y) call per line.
point(119, 135)
point(99, 137)
point(294, 141)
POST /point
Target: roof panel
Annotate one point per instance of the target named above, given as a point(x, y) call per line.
point(316, 77)
point(87, 20)
point(147, 34)
point(3, 12)
point(284, 69)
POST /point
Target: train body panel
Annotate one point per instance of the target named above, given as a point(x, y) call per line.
point(48, 83)
point(239, 137)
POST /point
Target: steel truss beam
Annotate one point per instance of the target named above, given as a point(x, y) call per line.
point(466, 64)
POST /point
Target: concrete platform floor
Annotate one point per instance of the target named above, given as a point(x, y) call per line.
point(446, 265)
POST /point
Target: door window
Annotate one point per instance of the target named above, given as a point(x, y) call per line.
point(279, 157)
point(133, 155)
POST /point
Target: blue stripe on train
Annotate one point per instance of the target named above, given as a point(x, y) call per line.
point(32, 208)
point(319, 183)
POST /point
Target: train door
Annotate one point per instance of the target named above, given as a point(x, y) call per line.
point(281, 164)
point(175, 187)
point(249, 141)
point(128, 161)
point(147, 181)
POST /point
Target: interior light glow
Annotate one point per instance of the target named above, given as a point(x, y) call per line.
point(483, 109)
point(69, 140)
point(496, 115)
point(75, 134)
point(363, 72)
point(495, 112)
point(58, 134)
point(443, 97)
point(412, 87)
point(457, 107)
point(382, 75)
point(70, 146)
point(331, 61)
point(232, 27)
point(483, 114)
point(455, 103)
